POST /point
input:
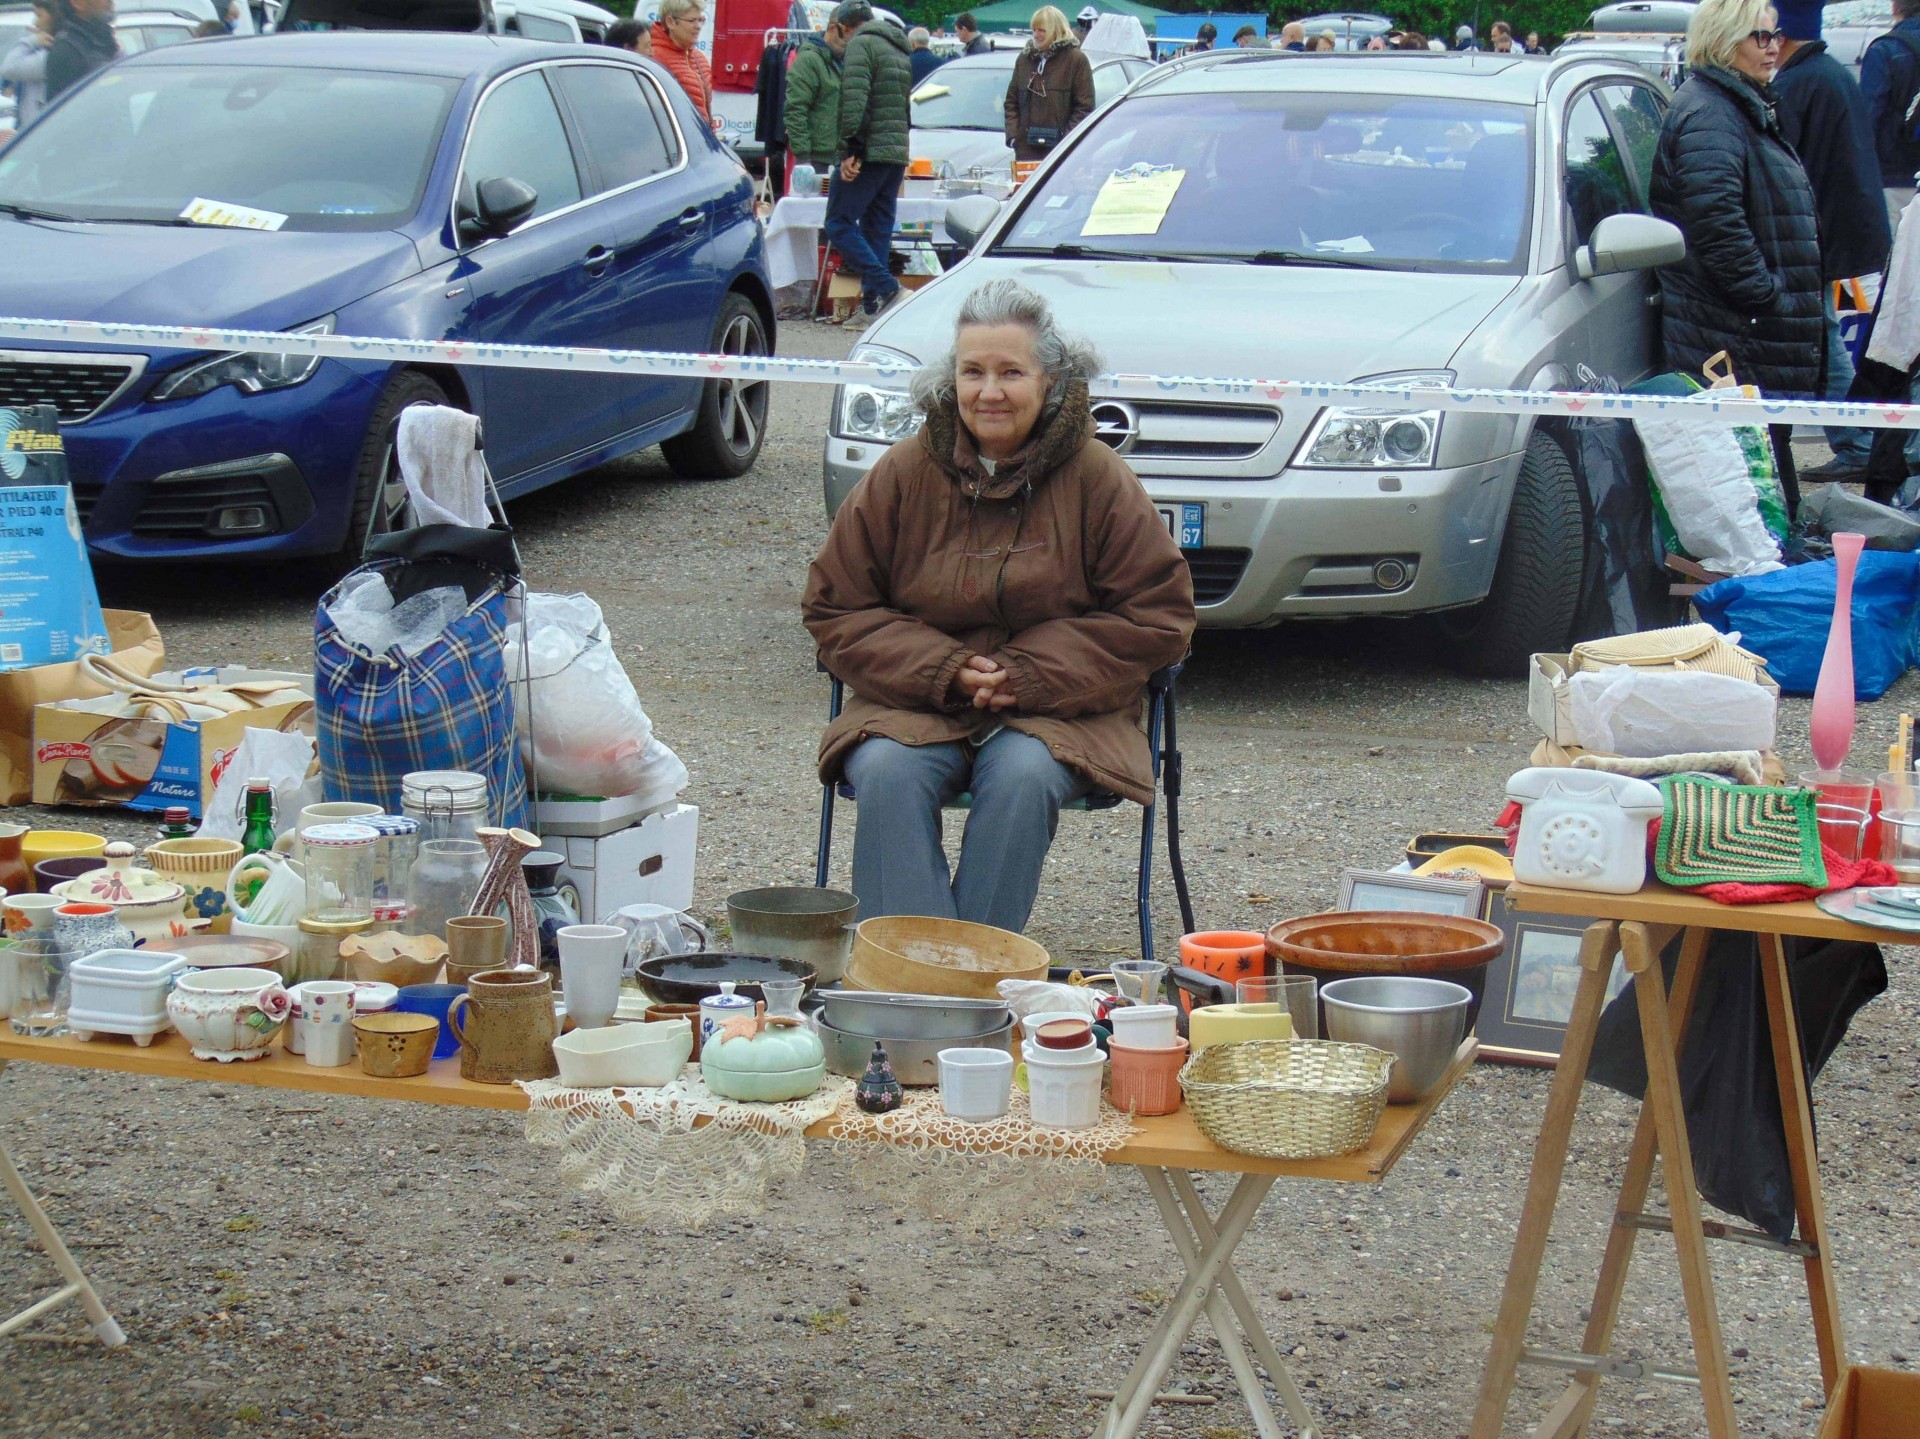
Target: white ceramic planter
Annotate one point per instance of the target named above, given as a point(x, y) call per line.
point(122, 991)
point(627, 1056)
point(228, 1014)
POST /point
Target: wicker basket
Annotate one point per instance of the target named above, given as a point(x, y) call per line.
point(1287, 1098)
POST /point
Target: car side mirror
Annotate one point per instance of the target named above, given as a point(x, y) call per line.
point(969, 217)
point(1629, 242)
point(500, 203)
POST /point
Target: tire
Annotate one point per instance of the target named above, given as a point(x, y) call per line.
point(1538, 580)
point(732, 423)
point(375, 473)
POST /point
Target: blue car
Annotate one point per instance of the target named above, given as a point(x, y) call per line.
point(420, 186)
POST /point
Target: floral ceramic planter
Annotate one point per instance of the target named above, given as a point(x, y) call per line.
point(228, 1014)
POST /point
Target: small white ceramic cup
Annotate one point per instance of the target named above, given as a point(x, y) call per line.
point(591, 957)
point(326, 1022)
point(976, 1084)
point(1144, 1026)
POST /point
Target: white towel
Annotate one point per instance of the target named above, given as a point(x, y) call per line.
point(441, 463)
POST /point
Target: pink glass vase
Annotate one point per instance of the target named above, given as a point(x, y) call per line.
point(1832, 726)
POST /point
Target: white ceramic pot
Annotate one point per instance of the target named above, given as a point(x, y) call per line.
point(976, 1084)
point(1144, 1026)
point(228, 1014)
point(1063, 1095)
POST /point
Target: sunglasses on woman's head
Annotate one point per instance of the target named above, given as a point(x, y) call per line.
point(1764, 38)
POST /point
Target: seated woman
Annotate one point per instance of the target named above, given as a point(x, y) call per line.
point(994, 594)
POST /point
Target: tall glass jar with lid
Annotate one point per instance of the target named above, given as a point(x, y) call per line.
point(445, 877)
point(449, 803)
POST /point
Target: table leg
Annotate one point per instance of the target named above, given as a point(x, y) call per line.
point(1597, 949)
point(1796, 1109)
point(1130, 1403)
point(1570, 1415)
point(1676, 1158)
point(78, 1286)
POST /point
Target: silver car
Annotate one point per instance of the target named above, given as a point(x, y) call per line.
point(1474, 219)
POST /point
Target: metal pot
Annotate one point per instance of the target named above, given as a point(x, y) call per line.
point(915, 1061)
point(891, 1017)
point(814, 926)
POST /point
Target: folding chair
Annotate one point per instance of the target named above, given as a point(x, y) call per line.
point(1162, 739)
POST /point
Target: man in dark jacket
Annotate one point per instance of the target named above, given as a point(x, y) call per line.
point(82, 43)
point(1824, 117)
point(923, 60)
point(1890, 80)
point(876, 78)
point(969, 33)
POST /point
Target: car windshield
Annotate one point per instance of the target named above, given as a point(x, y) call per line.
point(963, 97)
point(1281, 177)
point(325, 149)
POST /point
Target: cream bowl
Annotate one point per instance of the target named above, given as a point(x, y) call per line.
point(624, 1056)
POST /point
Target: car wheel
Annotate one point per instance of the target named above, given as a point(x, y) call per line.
point(379, 496)
point(1537, 581)
point(732, 424)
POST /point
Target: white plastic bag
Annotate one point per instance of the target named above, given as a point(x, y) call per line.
point(1642, 714)
point(1707, 487)
point(282, 759)
point(579, 721)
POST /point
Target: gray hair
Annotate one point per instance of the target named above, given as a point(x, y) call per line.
point(919, 37)
point(674, 9)
point(1008, 302)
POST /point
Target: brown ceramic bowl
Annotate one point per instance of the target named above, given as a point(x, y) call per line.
point(1386, 943)
point(50, 872)
point(395, 1046)
point(659, 1013)
point(227, 951)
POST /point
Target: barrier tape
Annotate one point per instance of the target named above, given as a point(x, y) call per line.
point(1727, 407)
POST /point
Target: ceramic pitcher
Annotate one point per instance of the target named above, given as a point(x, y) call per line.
point(15, 877)
point(506, 1026)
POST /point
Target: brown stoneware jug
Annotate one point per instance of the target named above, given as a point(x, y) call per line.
point(506, 1026)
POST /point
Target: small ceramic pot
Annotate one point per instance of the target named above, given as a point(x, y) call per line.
point(395, 1046)
point(84, 929)
point(201, 868)
point(228, 1014)
point(668, 1013)
point(323, 1019)
point(476, 943)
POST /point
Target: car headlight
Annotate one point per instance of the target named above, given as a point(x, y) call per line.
point(249, 374)
point(876, 412)
point(1363, 437)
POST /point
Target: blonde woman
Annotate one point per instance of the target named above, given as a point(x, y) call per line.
point(1051, 90)
point(1750, 283)
point(676, 45)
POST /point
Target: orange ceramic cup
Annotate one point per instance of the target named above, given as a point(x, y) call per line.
point(1229, 954)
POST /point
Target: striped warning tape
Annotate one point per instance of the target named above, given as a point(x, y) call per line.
point(1726, 406)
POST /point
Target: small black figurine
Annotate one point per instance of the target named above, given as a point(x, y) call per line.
point(878, 1092)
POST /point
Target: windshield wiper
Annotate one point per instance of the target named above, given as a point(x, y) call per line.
point(1333, 258)
point(1096, 252)
point(28, 212)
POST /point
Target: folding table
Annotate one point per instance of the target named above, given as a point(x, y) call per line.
point(1167, 1150)
point(1637, 927)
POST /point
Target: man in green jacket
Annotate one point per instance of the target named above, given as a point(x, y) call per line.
point(813, 100)
point(875, 80)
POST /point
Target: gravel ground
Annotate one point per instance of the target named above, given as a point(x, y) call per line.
point(287, 1269)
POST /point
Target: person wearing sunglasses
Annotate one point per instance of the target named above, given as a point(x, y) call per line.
point(1751, 280)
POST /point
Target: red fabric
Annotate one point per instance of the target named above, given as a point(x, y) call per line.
point(1841, 874)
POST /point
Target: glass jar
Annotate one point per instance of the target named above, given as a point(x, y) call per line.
point(318, 954)
point(393, 853)
point(339, 872)
point(443, 882)
point(449, 803)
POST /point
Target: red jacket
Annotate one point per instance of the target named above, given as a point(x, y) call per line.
point(690, 68)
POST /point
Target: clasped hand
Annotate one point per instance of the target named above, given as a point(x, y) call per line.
point(987, 684)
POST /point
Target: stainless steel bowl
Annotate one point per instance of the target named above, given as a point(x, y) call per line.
point(911, 1016)
point(915, 1061)
point(1419, 1021)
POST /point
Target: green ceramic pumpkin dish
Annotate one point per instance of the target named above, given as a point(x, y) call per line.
point(782, 1059)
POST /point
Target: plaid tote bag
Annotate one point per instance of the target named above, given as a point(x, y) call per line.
point(448, 706)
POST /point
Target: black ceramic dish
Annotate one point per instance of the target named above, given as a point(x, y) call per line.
point(690, 978)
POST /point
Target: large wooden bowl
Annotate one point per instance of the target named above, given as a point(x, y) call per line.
point(905, 954)
point(1348, 944)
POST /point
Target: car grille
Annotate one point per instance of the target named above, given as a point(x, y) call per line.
point(1215, 573)
point(182, 507)
point(1165, 430)
point(77, 388)
point(83, 503)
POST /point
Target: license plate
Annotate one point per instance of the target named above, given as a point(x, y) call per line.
point(1187, 523)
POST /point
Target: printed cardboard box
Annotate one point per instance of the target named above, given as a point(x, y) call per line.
point(90, 752)
point(49, 609)
point(136, 646)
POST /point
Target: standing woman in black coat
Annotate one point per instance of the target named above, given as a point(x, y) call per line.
point(1751, 281)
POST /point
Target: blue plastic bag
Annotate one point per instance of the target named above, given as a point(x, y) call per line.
point(1784, 617)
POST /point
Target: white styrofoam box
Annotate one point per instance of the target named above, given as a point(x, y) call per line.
point(649, 863)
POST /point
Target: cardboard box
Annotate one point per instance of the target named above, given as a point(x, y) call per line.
point(135, 644)
point(1550, 699)
point(648, 863)
point(87, 752)
point(1873, 1404)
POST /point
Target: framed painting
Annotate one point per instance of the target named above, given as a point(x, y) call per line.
point(1531, 983)
point(1381, 889)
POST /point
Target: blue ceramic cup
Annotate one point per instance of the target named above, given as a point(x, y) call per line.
point(433, 999)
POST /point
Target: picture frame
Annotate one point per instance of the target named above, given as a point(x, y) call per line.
point(1398, 890)
point(1531, 982)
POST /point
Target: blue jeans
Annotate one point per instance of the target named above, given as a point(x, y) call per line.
point(899, 863)
point(1850, 445)
point(860, 225)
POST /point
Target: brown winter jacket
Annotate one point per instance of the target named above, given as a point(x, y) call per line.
point(1057, 97)
point(1058, 567)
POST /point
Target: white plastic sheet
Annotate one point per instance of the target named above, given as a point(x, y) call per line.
point(1645, 713)
point(282, 759)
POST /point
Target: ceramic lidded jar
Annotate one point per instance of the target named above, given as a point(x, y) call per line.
point(717, 1009)
point(119, 881)
point(228, 1014)
point(763, 1060)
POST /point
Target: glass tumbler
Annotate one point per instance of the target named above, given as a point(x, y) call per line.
point(1297, 994)
point(444, 879)
point(1138, 980)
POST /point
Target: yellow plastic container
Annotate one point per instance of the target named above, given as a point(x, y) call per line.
point(1233, 1023)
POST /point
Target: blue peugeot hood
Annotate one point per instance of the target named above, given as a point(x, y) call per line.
point(171, 275)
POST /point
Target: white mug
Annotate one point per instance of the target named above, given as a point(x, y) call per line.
point(591, 956)
point(325, 1022)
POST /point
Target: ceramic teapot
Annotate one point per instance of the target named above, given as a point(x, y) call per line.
point(764, 1060)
